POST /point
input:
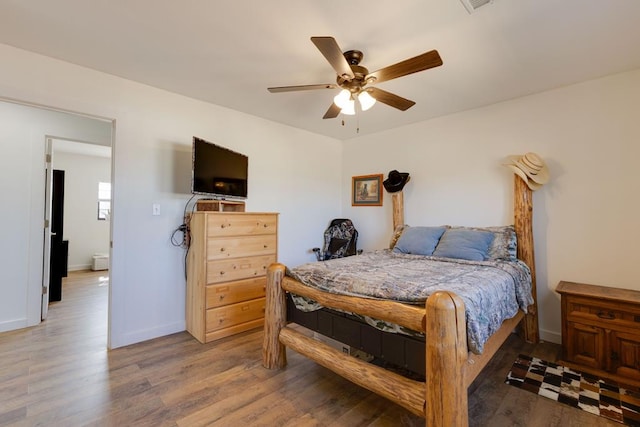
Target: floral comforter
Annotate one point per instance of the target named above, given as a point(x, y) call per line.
point(492, 291)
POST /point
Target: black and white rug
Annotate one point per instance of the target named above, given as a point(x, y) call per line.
point(604, 398)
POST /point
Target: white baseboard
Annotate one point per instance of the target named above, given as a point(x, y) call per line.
point(147, 334)
point(79, 267)
point(11, 325)
point(551, 336)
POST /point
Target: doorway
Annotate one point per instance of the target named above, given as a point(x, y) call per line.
point(80, 211)
point(24, 177)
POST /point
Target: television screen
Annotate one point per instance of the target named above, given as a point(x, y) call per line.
point(218, 171)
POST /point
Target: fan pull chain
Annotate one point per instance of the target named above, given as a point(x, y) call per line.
point(357, 123)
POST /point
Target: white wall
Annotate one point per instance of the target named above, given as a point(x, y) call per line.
point(585, 219)
point(22, 184)
point(152, 165)
point(86, 234)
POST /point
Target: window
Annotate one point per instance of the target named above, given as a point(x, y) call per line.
point(104, 200)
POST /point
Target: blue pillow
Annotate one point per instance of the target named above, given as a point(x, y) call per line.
point(419, 240)
point(464, 244)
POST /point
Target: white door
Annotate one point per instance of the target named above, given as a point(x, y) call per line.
point(46, 258)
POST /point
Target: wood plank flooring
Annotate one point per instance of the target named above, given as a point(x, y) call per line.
point(60, 373)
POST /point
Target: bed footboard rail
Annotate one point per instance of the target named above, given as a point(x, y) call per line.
point(405, 392)
point(442, 399)
point(412, 317)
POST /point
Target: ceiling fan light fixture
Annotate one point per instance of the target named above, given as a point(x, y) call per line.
point(342, 98)
point(366, 101)
point(349, 108)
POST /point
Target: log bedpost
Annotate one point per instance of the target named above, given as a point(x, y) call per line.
point(523, 224)
point(398, 209)
point(274, 355)
point(446, 355)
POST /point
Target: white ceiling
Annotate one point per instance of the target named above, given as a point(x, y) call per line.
point(229, 52)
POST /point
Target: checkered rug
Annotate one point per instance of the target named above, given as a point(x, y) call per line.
point(600, 397)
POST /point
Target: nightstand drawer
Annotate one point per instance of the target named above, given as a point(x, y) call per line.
point(602, 312)
point(234, 314)
point(233, 292)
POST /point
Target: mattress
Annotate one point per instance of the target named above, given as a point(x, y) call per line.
point(492, 291)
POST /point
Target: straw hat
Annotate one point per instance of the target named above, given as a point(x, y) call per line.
point(531, 168)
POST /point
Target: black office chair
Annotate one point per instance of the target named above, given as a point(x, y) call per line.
point(340, 240)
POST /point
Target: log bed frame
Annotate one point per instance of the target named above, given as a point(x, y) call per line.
point(450, 367)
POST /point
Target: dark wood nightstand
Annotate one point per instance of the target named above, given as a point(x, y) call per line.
point(601, 330)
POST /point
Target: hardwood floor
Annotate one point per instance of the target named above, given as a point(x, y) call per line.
point(60, 373)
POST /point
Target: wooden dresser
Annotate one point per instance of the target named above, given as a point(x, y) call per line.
point(226, 271)
point(601, 330)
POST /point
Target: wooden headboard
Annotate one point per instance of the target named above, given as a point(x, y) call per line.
point(523, 224)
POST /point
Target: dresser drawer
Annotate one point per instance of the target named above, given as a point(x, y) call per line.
point(233, 292)
point(238, 268)
point(241, 224)
point(235, 247)
point(234, 314)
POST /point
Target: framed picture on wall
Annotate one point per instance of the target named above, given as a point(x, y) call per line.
point(366, 190)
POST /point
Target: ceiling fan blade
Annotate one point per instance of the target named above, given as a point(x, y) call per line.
point(390, 99)
point(422, 62)
point(303, 87)
point(332, 52)
point(332, 112)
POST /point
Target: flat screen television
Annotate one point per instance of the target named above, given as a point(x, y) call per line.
point(218, 171)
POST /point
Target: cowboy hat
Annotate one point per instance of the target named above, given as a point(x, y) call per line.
point(396, 181)
point(531, 168)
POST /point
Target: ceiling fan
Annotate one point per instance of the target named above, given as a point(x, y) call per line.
point(355, 80)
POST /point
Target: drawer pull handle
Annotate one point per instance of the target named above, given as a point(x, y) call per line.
point(609, 315)
point(222, 249)
point(222, 273)
point(265, 246)
point(265, 226)
point(245, 308)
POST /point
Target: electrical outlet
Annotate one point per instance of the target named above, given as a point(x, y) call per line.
point(156, 209)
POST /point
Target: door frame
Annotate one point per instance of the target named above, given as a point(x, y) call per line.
point(112, 283)
point(48, 194)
